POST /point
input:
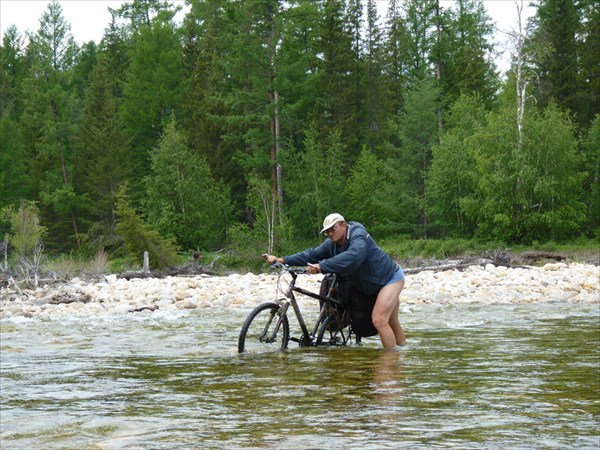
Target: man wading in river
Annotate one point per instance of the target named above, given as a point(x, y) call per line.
point(352, 253)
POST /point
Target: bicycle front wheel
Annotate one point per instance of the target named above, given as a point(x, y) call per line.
point(265, 329)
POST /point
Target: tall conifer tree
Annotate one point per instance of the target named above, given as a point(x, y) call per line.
point(335, 107)
point(466, 53)
point(589, 49)
point(103, 152)
point(394, 63)
point(49, 124)
point(558, 68)
point(13, 181)
point(207, 33)
point(151, 90)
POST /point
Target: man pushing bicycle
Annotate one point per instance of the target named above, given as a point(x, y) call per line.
point(352, 253)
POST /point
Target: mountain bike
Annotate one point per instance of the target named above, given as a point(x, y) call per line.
point(267, 327)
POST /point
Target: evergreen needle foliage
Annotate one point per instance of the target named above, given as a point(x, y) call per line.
point(140, 237)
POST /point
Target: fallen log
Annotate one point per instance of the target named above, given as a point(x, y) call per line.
point(442, 266)
point(70, 298)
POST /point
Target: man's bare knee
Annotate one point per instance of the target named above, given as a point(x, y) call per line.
point(380, 321)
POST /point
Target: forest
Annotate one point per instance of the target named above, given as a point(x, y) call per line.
point(244, 125)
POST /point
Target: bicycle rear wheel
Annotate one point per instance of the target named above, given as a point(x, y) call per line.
point(329, 334)
point(264, 330)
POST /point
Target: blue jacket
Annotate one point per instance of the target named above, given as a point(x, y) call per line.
point(360, 259)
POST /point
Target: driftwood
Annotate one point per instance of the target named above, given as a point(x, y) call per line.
point(497, 258)
point(138, 274)
point(70, 298)
point(145, 308)
point(190, 269)
point(537, 255)
point(440, 266)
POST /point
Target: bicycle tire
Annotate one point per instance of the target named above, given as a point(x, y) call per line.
point(334, 337)
point(264, 330)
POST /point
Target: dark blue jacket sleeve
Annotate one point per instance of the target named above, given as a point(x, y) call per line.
point(312, 255)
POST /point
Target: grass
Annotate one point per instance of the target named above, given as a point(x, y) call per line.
point(583, 250)
point(401, 249)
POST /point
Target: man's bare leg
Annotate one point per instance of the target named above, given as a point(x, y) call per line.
point(385, 316)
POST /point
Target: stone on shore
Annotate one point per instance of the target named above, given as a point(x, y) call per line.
point(555, 282)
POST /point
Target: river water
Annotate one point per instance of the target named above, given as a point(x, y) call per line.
point(499, 376)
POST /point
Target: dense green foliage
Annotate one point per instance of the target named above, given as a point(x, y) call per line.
point(139, 237)
point(183, 201)
point(25, 232)
point(243, 126)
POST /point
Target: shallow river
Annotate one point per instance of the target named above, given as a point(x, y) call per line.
point(524, 376)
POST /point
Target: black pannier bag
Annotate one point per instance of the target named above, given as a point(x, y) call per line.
point(360, 305)
point(361, 308)
point(334, 283)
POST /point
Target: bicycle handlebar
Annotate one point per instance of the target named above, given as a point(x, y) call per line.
point(291, 269)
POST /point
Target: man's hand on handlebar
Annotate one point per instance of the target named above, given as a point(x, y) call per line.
point(313, 268)
point(271, 259)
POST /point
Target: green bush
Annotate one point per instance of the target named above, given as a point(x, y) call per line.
point(26, 232)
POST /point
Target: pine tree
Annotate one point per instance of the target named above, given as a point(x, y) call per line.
point(139, 237)
point(297, 68)
point(588, 50)
point(12, 68)
point(152, 91)
point(375, 90)
point(13, 180)
point(419, 20)
point(231, 94)
point(49, 124)
point(558, 69)
point(102, 143)
point(395, 63)
point(207, 35)
point(114, 48)
point(466, 53)
point(416, 131)
point(336, 109)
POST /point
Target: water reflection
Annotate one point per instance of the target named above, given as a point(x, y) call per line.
point(387, 372)
point(470, 377)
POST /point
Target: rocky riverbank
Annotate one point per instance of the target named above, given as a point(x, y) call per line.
point(482, 284)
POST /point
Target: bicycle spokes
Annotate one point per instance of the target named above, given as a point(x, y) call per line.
point(272, 337)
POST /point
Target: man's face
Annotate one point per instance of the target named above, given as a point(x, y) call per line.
point(337, 233)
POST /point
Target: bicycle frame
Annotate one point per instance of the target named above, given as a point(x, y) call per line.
point(267, 326)
point(307, 337)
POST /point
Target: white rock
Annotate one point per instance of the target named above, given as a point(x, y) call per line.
point(121, 309)
point(555, 282)
point(554, 266)
point(188, 303)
